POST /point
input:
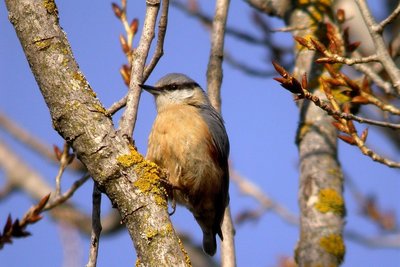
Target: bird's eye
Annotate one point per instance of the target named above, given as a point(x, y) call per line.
point(174, 86)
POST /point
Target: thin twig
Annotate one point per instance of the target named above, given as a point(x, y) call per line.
point(335, 58)
point(380, 104)
point(373, 155)
point(60, 199)
point(117, 105)
point(64, 161)
point(333, 108)
point(389, 19)
point(380, 46)
point(159, 50)
point(241, 35)
point(96, 227)
point(214, 68)
point(387, 241)
point(372, 74)
point(26, 179)
point(348, 116)
point(249, 188)
point(128, 119)
point(249, 70)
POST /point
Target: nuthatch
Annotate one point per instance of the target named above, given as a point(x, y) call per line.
point(189, 140)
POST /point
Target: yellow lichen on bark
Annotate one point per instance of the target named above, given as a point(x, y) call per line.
point(50, 6)
point(334, 245)
point(187, 259)
point(330, 201)
point(150, 177)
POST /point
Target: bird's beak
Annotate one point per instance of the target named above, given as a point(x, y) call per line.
point(151, 89)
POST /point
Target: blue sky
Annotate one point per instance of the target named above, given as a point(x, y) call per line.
point(261, 120)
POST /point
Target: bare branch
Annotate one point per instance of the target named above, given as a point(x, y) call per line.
point(110, 159)
point(117, 105)
point(24, 178)
point(246, 68)
point(159, 50)
point(33, 142)
point(347, 116)
point(249, 188)
point(376, 33)
point(17, 228)
point(128, 119)
point(96, 227)
point(7, 189)
point(60, 199)
point(389, 241)
point(214, 80)
point(389, 19)
point(214, 68)
point(207, 20)
point(65, 160)
point(24, 137)
point(367, 70)
point(334, 58)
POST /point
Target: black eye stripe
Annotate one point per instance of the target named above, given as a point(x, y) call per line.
point(173, 87)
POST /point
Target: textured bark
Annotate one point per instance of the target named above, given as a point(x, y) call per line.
point(321, 180)
point(79, 117)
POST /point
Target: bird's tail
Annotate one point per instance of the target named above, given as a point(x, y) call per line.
point(209, 243)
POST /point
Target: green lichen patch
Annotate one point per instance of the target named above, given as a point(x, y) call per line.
point(329, 200)
point(334, 245)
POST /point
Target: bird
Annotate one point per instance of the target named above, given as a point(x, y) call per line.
point(188, 139)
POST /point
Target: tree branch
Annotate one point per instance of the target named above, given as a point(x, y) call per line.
point(128, 119)
point(37, 145)
point(22, 177)
point(321, 223)
point(96, 227)
point(376, 33)
point(132, 184)
point(214, 80)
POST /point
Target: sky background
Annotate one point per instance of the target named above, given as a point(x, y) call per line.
point(261, 120)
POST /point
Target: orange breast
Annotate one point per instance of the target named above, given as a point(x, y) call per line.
point(180, 142)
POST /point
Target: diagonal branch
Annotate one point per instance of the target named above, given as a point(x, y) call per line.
point(133, 184)
point(37, 145)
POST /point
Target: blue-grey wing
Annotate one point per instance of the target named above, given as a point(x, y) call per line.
point(218, 132)
point(221, 143)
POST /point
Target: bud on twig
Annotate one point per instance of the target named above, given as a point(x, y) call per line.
point(134, 26)
point(347, 139)
point(124, 44)
point(340, 15)
point(117, 10)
